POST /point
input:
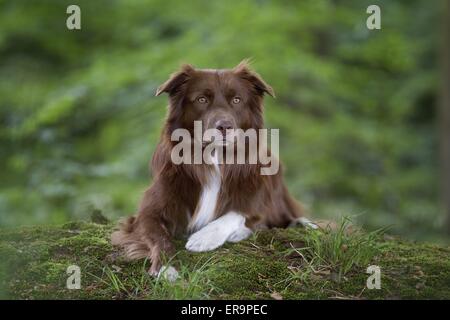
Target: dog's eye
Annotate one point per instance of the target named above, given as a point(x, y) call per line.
point(236, 100)
point(202, 99)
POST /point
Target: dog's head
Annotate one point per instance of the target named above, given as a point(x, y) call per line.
point(220, 99)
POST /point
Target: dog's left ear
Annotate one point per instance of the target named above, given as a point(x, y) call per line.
point(176, 80)
point(244, 71)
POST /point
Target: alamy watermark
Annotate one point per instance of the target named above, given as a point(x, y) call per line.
point(373, 22)
point(73, 282)
point(73, 21)
point(235, 146)
point(374, 280)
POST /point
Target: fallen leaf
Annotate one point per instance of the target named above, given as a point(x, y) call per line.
point(275, 295)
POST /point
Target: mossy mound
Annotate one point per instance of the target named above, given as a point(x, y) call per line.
point(270, 265)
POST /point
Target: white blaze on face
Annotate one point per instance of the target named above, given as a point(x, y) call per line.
point(206, 206)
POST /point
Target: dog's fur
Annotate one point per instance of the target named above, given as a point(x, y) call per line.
point(233, 200)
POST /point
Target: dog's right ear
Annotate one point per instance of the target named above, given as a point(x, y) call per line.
point(176, 80)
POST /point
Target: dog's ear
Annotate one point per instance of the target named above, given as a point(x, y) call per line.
point(244, 71)
point(176, 80)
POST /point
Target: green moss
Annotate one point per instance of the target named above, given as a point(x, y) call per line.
point(35, 260)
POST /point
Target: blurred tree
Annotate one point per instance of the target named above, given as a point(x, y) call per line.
point(356, 108)
point(445, 113)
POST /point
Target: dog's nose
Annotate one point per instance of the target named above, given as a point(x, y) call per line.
point(223, 125)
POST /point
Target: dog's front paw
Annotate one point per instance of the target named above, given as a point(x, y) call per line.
point(240, 234)
point(206, 239)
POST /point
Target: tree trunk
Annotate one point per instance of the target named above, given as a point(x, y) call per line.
point(444, 115)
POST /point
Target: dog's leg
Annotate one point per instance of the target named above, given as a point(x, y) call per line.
point(154, 233)
point(157, 269)
point(229, 227)
point(158, 248)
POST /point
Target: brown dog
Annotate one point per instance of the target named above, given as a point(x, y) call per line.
point(214, 202)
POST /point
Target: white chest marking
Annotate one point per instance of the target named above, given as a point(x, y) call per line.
point(208, 200)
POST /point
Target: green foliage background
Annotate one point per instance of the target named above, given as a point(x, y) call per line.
point(356, 108)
